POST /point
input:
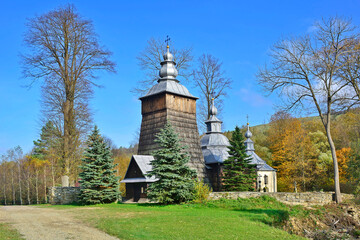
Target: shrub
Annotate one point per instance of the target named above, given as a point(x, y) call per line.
point(201, 192)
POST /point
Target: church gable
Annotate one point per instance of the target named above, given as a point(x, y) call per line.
point(134, 170)
point(138, 168)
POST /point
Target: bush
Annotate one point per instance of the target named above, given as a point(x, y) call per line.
point(357, 195)
point(356, 233)
point(201, 192)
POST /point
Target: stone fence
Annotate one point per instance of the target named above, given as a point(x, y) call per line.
point(63, 195)
point(304, 198)
point(68, 195)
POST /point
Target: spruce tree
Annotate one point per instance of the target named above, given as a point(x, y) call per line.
point(98, 181)
point(238, 173)
point(176, 179)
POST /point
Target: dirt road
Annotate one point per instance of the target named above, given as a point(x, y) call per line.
point(45, 223)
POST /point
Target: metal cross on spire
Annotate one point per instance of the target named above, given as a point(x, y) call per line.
point(167, 40)
point(247, 119)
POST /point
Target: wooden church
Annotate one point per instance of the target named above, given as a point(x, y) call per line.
point(168, 100)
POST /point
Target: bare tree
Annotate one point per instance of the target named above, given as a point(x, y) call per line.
point(349, 63)
point(304, 72)
point(210, 78)
point(109, 142)
point(65, 54)
point(149, 61)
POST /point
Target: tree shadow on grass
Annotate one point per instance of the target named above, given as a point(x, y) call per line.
point(268, 216)
point(145, 204)
point(154, 205)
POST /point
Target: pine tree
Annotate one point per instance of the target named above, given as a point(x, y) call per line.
point(239, 174)
point(176, 179)
point(98, 181)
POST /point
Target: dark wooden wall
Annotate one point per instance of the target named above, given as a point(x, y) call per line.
point(132, 187)
point(214, 174)
point(134, 171)
point(181, 112)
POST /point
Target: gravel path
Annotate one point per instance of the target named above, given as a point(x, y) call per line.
point(44, 223)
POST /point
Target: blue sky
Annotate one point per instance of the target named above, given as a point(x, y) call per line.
point(239, 33)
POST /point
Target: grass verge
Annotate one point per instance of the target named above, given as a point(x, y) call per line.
point(224, 219)
point(7, 232)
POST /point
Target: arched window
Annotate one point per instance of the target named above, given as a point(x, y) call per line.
point(266, 179)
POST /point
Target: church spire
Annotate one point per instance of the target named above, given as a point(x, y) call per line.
point(213, 109)
point(213, 123)
point(248, 134)
point(249, 144)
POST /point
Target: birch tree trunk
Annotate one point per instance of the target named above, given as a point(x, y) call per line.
point(45, 185)
point(13, 186)
point(4, 185)
point(28, 186)
point(52, 174)
point(19, 180)
point(37, 186)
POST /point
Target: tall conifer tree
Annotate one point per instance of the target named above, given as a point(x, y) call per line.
point(98, 181)
point(48, 139)
point(239, 174)
point(176, 179)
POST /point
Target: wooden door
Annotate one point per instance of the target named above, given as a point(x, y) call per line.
point(137, 192)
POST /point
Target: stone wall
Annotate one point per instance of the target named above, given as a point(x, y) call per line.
point(63, 195)
point(305, 198)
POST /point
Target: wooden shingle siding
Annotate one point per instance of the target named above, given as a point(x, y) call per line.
point(180, 111)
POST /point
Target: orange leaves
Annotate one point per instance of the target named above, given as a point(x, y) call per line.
point(122, 162)
point(343, 156)
point(292, 153)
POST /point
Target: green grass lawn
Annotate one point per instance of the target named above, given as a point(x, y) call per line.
point(7, 232)
point(223, 219)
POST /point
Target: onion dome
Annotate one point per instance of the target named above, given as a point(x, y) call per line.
point(213, 109)
point(168, 70)
point(167, 81)
point(248, 134)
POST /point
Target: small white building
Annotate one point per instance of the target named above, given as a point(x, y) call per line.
point(266, 175)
